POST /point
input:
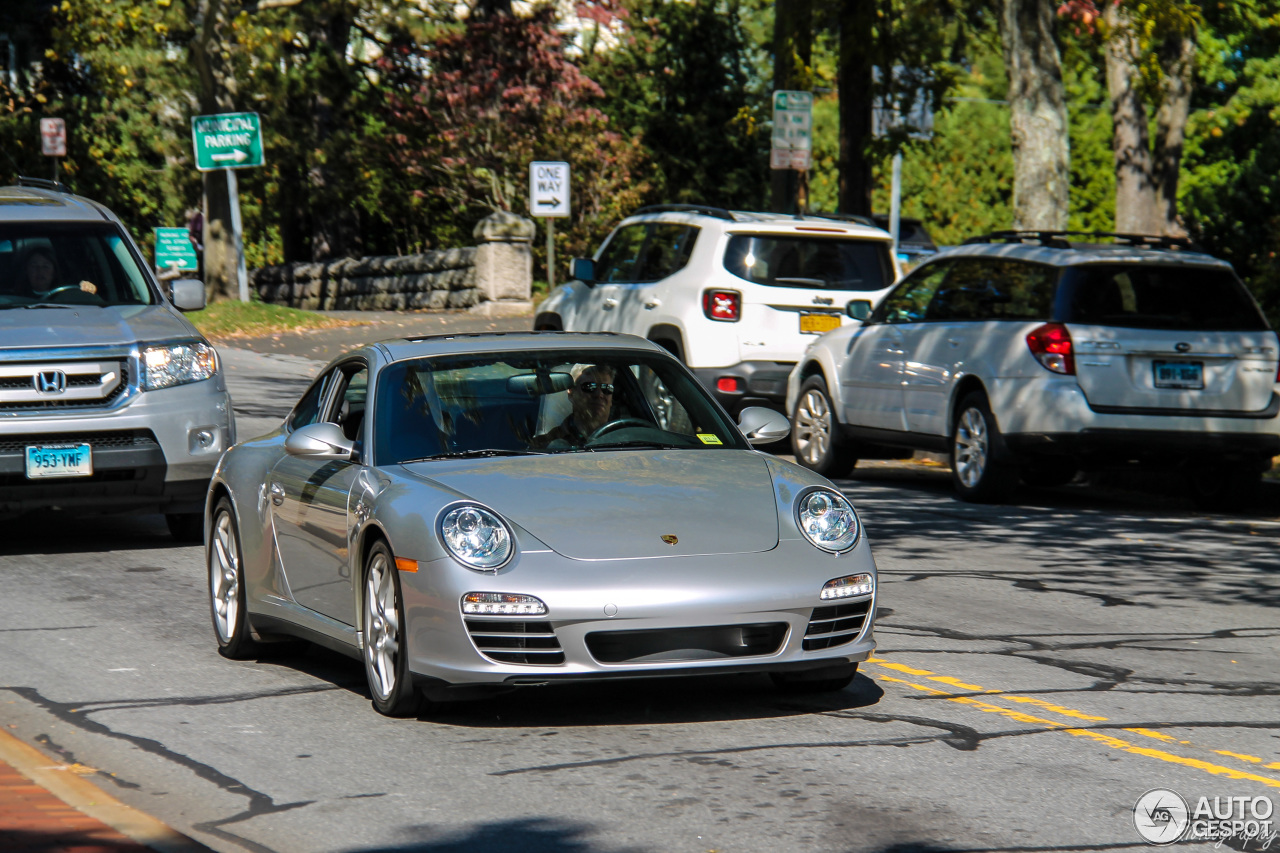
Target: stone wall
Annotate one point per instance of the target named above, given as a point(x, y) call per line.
point(432, 280)
point(495, 277)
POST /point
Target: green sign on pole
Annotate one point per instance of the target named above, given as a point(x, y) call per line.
point(174, 250)
point(227, 141)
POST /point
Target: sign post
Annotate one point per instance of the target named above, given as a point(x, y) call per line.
point(549, 199)
point(887, 116)
point(229, 141)
point(53, 141)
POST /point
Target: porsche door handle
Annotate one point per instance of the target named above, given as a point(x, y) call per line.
point(277, 494)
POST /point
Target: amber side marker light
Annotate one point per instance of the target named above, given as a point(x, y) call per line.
point(406, 565)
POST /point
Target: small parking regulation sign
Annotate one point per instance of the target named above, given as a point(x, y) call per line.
point(53, 137)
point(549, 189)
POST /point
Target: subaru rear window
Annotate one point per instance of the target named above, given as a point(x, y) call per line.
point(1171, 297)
point(810, 262)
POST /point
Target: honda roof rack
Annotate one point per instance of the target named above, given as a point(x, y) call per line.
point(44, 184)
point(705, 209)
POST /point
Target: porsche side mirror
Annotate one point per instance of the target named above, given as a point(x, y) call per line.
point(584, 270)
point(319, 441)
point(858, 309)
point(188, 294)
point(763, 426)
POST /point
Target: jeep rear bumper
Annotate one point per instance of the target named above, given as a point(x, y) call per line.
point(757, 383)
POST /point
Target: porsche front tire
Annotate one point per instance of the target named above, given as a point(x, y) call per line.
point(386, 659)
point(225, 560)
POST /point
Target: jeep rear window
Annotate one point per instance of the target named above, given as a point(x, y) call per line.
point(810, 262)
point(1207, 299)
point(73, 263)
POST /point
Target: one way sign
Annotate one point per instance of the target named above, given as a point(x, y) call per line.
point(549, 189)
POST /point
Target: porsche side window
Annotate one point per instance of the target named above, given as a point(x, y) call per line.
point(308, 409)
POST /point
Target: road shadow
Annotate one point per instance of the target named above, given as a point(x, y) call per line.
point(51, 531)
point(1133, 541)
point(642, 701)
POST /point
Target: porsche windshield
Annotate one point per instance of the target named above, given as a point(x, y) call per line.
point(70, 263)
point(542, 402)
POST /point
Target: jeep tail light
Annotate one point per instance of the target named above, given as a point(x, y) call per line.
point(729, 385)
point(1051, 345)
point(724, 305)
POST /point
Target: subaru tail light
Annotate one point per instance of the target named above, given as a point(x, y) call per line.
point(723, 305)
point(1051, 345)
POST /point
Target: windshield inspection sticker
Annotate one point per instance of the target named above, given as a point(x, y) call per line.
point(709, 439)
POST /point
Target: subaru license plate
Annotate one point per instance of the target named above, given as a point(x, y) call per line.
point(59, 460)
point(816, 324)
point(1179, 374)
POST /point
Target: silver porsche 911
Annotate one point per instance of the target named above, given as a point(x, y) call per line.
point(497, 510)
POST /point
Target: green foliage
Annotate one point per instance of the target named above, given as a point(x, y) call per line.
point(682, 80)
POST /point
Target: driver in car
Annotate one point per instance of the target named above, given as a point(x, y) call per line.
point(592, 400)
point(41, 275)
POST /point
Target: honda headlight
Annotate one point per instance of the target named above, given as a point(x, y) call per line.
point(477, 537)
point(827, 519)
point(177, 364)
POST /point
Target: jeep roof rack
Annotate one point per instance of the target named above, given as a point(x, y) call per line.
point(44, 184)
point(704, 209)
point(1060, 239)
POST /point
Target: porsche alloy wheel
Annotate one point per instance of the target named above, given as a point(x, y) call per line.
point(226, 585)
point(385, 658)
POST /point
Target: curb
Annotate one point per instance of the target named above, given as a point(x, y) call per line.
point(84, 796)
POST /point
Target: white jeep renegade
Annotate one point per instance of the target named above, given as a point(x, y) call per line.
point(736, 296)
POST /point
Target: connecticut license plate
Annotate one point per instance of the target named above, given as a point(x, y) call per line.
point(816, 324)
point(1179, 374)
point(59, 460)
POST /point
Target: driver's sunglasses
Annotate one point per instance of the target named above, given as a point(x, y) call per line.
point(593, 387)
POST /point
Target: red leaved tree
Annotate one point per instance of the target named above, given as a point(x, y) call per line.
point(470, 111)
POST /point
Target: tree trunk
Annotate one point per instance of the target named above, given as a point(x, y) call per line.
point(1038, 116)
point(1135, 185)
point(792, 53)
point(334, 228)
point(1177, 60)
point(855, 83)
point(210, 56)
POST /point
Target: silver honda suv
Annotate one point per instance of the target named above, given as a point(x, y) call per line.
point(110, 400)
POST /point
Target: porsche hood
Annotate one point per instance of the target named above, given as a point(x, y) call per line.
point(612, 505)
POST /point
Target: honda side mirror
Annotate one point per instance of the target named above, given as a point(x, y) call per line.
point(188, 294)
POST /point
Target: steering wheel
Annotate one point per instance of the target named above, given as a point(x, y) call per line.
point(61, 289)
point(612, 426)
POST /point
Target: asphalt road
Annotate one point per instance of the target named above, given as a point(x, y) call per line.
point(1041, 666)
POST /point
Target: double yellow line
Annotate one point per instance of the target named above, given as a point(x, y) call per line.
point(1071, 728)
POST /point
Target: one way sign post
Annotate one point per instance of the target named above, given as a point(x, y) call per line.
point(548, 199)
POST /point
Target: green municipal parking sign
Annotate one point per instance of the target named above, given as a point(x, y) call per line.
point(227, 141)
point(175, 251)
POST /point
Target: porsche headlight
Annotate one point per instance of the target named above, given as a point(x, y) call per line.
point(476, 536)
point(827, 520)
point(177, 364)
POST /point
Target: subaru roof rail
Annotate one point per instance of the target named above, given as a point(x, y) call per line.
point(1060, 239)
point(44, 184)
point(705, 209)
